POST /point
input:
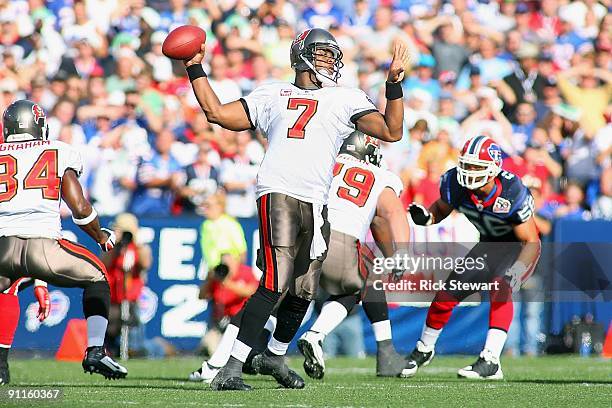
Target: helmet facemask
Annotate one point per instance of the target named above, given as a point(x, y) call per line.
point(311, 57)
point(474, 173)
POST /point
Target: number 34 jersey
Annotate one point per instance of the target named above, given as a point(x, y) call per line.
point(305, 129)
point(354, 193)
point(30, 186)
point(509, 204)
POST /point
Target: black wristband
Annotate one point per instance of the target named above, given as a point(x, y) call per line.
point(393, 90)
point(195, 71)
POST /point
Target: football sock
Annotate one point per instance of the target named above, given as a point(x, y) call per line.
point(224, 348)
point(256, 312)
point(96, 299)
point(502, 308)
point(96, 329)
point(332, 314)
point(429, 336)
point(375, 305)
point(277, 347)
point(291, 312)
point(4, 351)
point(440, 310)
point(9, 319)
point(496, 338)
point(382, 330)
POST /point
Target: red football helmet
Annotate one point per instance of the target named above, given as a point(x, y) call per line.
point(479, 162)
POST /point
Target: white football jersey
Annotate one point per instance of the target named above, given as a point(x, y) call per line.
point(30, 186)
point(354, 195)
point(305, 129)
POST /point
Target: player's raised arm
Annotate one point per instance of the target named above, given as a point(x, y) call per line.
point(83, 214)
point(231, 115)
point(390, 126)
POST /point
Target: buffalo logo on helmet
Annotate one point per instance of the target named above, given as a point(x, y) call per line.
point(494, 152)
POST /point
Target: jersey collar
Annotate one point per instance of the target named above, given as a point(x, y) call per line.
point(496, 192)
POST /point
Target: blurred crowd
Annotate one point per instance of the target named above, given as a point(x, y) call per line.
point(533, 75)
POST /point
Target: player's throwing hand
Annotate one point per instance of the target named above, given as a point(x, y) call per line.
point(198, 58)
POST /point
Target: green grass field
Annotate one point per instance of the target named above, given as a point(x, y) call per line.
point(545, 382)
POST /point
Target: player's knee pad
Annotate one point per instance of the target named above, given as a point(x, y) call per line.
point(96, 299)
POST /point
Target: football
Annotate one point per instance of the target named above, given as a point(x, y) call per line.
point(183, 42)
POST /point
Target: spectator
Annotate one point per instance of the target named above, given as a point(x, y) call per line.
point(424, 77)
point(157, 178)
point(127, 267)
point(227, 89)
point(238, 177)
point(228, 286)
point(602, 208)
point(201, 181)
point(523, 126)
point(571, 206)
point(220, 233)
point(587, 95)
point(445, 46)
point(525, 81)
point(322, 13)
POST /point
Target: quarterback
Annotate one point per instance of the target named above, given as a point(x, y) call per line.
point(35, 174)
point(501, 208)
point(305, 123)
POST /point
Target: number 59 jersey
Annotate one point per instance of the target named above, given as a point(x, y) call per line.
point(305, 129)
point(354, 194)
point(509, 204)
point(30, 186)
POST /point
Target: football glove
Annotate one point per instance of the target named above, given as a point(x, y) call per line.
point(109, 244)
point(42, 295)
point(514, 276)
point(420, 215)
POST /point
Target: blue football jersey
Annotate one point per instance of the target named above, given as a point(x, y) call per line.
point(509, 204)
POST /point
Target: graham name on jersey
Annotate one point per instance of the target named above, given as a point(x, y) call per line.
point(427, 285)
point(7, 147)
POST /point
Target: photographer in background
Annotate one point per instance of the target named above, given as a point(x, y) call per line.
point(228, 286)
point(127, 265)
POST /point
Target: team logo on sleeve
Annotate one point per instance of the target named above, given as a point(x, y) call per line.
point(39, 113)
point(501, 206)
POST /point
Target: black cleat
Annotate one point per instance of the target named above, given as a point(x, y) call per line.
point(96, 361)
point(228, 381)
point(389, 363)
point(311, 347)
point(275, 366)
point(247, 367)
point(486, 367)
point(5, 376)
point(421, 356)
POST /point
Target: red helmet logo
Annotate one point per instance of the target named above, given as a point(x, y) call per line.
point(300, 38)
point(38, 112)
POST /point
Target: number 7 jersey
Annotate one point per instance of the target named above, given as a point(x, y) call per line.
point(305, 129)
point(30, 186)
